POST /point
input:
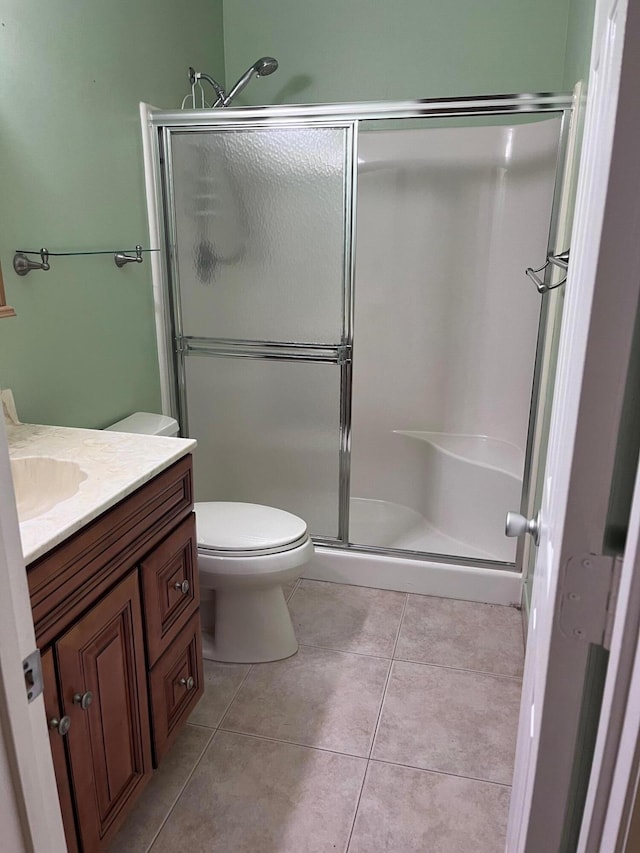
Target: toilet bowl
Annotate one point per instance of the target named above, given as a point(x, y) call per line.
point(245, 553)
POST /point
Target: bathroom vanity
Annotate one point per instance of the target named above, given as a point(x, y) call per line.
point(115, 606)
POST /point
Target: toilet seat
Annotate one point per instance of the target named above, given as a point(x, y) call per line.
point(234, 529)
point(245, 553)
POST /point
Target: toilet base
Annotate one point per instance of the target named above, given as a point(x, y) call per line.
point(251, 626)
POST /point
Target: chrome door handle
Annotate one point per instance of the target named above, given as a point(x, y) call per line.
point(183, 586)
point(516, 525)
point(189, 682)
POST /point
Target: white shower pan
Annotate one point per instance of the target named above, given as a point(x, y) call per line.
point(471, 479)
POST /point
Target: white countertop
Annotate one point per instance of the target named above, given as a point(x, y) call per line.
point(116, 464)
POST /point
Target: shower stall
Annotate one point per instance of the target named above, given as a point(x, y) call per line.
point(346, 327)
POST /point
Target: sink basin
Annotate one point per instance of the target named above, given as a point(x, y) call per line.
point(42, 482)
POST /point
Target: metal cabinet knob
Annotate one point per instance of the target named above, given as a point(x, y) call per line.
point(516, 525)
point(61, 725)
point(83, 699)
point(183, 586)
point(189, 683)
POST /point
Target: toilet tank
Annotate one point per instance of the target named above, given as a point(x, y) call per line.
point(147, 423)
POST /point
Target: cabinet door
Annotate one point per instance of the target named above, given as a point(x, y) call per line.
point(103, 688)
point(56, 739)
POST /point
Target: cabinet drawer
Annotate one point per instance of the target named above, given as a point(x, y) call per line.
point(176, 683)
point(89, 563)
point(170, 587)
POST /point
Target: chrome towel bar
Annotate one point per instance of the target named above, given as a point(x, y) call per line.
point(22, 264)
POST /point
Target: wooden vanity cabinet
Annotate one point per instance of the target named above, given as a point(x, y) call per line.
point(117, 623)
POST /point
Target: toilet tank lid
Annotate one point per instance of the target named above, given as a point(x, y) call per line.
point(147, 423)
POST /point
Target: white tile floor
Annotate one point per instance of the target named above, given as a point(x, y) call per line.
point(393, 729)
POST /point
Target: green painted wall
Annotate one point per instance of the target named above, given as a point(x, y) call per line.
point(579, 35)
point(82, 349)
point(348, 50)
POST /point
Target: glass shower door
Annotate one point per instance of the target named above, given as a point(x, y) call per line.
point(261, 223)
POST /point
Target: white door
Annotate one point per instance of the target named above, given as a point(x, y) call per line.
point(600, 306)
point(28, 796)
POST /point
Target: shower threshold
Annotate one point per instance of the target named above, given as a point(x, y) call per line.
point(384, 524)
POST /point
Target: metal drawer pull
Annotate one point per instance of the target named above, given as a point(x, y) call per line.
point(61, 725)
point(189, 683)
point(83, 699)
point(183, 586)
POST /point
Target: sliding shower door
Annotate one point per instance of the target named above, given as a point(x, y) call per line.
point(260, 223)
point(441, 414)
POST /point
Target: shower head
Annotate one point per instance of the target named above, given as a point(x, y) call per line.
point(262, 68)
point(265, 66)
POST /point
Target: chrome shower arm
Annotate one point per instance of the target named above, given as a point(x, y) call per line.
point(194, 76)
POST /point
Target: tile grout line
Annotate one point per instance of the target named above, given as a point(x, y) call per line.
point(293, 743)
point(386, 684)
point(517, 678)
point(345, 651)
point(402, 615)
point(440, 772)
point(235, 693)
point(182, 789)
point(375, 728)
point(355, 811)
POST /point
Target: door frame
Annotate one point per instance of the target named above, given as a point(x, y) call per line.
point(615, 772)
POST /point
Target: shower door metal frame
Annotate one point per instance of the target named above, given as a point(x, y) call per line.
point(347, 115)
point(339, 353)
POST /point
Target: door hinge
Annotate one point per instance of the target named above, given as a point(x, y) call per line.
point(32, 669)
point(179, 345)
point(589, 592)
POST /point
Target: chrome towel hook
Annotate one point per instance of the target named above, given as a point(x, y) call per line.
point(22, 265)
point(121, 258)
point(560, 260)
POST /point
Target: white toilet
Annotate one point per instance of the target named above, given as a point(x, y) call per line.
point(245, 553)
